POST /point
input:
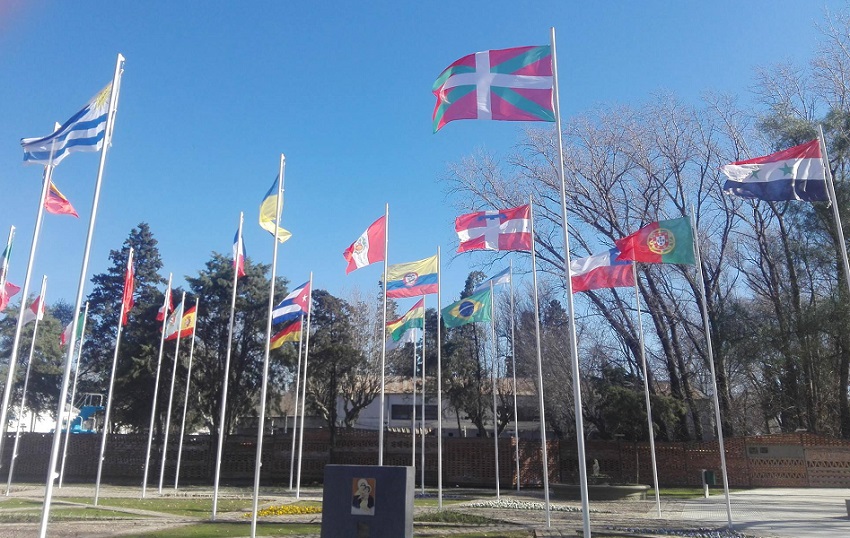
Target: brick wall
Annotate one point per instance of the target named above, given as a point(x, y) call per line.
point(789, 460)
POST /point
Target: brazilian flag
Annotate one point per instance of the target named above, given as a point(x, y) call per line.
point(474, 308)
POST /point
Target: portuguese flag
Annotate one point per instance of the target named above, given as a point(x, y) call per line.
point(665, 241)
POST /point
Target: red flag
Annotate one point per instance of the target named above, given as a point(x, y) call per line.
point(369, 247)
point(505, 229)
point(129, 283)
point(601, 271)
point(35, 310)
point(5, 294)
point(57, 204)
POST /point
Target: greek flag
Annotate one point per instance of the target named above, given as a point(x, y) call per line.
point(83, 132)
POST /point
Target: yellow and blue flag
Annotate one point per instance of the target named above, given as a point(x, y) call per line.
point(412, 279)
point(474, 308)
point(269, 215)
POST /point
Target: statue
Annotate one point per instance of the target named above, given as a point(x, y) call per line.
point(595, 467)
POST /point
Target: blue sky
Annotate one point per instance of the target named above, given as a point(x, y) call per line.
point(214, 91)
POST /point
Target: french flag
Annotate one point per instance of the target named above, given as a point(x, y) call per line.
point(601, 271)
point(238, 255)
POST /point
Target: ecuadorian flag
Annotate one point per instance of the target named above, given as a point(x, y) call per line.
point(412, 279)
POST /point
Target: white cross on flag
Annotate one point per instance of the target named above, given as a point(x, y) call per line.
point(504, 229)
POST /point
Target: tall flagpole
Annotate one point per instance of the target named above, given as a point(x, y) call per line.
point(295, 410)
point(304, 389)
point(541, 407)
point(108, 412)
point(165, 304)
point(838, 229)
point(582, 461)
point(13, 358)
point(646, 392)
point(263, 391)
point(73, 395)
point(710, 350)
point(383, 339)
point(439, 388)
point(413, 416)
point(4, 269)
point(179, 322)
point(186, 395)
point(221, 422)
point(513, 371)
point(493, 377)
point(24, 391)
point(422, 420)
point(63, 392)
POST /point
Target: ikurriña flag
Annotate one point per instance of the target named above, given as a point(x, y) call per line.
point(601, 271)
point(471, 309)
point(83, 132)
point(369, 247)
point(506, 85)
point(412, 279)
point(290, 333)
point(665, 241)
point(57, 204)
point(501, 229)
point(795, 173)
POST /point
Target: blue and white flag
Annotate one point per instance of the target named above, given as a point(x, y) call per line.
point(83, 132)
point(503, 277)
point(294, 305)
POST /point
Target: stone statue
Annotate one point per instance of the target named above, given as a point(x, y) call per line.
point(595, 467)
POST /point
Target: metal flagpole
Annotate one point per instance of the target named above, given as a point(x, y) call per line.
point(25, 290)
point(222, 427)
point(413, 416)
point(541, 408)
point(73, 395)
point(383, 339)
point(264, 389)
point(582, 462)
point(24, 391)
point(295, 410)
point(63, 392)
point(513, 371)
point(439, 389)
point(711, 366)
point(422, 420)
point(186, 395)
point(108, 411)
point(493, 377)
point(839, 230)
point(165, 306)
point(179, 322)
point(646, 392)
point(4, 269)
point(304, 388)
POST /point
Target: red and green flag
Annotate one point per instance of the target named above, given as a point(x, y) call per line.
point(507, 85)
point(665, 241)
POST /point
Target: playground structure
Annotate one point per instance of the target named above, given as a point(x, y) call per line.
point(89, 405)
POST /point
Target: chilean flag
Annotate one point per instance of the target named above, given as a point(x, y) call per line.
point(601, 271)
point(239, 255)
point(505, 229)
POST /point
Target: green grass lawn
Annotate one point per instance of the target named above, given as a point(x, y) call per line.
point(214, 530)
point(448, 516)
point(432, 502)
point(201, 508)
point(18, 503)
point(63, 514)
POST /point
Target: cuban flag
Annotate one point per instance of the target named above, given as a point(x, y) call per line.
point(601, 271)
point(85, 131)
point(796, 173)
point(294, 305)
point(504, 229)
point(239, 254)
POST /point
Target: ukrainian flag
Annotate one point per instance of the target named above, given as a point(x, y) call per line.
point(268, 214)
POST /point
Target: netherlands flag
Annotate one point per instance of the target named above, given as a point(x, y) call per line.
point(795, 173)
point(601, 271)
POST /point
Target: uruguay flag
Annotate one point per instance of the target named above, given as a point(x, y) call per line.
point(601, 271)
point(294, 305)
point(795, 173)
point(83, 132)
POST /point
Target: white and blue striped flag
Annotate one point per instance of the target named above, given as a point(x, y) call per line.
point(502, 277)
point(83, 132)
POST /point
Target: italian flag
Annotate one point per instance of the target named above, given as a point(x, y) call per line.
point(665, 241)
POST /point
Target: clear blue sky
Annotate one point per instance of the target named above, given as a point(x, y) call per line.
point(214, 91)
